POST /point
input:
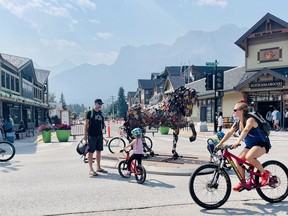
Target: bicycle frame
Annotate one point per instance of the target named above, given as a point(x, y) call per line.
point(229, 156)
point(133, 163)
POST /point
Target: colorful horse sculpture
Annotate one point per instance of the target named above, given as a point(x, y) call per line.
point(171, 112)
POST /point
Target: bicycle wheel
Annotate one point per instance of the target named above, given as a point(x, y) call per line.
point(123, 167)
point(210, 187)
point(277, 188)
point(149, 144)
point(140, 174)
point(7, 151)
point(116, 144)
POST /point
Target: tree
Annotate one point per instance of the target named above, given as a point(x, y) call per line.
point(52, 97)
point(122, 106)
point(62, 101)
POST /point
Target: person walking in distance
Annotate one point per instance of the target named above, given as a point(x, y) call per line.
point(94, 123)
point(276, 119)
point(220, 121)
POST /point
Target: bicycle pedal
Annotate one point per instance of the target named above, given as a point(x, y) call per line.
point(241, 189)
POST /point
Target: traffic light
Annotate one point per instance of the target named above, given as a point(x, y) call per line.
point(219, 80)
point(209, 81)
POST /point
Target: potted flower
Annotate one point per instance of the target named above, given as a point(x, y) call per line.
point(63, 132)
point(46, 132)
point(164, 130)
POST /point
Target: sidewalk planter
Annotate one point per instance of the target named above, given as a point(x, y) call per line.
point(164, 130)
point(46, 136)
point(63, 135)
point(10, 137)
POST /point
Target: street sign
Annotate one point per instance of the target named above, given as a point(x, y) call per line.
point(211, 64)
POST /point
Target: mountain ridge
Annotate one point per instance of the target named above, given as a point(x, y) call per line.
point(85, 82)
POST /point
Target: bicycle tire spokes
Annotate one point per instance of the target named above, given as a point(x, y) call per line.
point(140, 174)
point(116, 144)
point(210, 187)
point(7, 151)
point(276, 189)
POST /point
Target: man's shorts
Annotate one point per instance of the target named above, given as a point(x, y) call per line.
point(276, 121)
point(95, 143)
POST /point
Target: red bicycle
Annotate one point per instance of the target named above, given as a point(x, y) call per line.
point(210, 184)
point(138, 170)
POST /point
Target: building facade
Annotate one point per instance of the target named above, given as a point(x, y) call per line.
point(264, 77)
point(23, 91)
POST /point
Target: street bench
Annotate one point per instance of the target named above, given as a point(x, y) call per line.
point(30, 130)
point(151, 130)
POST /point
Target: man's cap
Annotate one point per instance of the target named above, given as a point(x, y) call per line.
point(99, 101)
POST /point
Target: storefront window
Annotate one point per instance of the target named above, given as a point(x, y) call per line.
point(15, 114)
point(8, 81)
point(17, 85)
point(12, 83)
point(274, 96)
point(3, 79)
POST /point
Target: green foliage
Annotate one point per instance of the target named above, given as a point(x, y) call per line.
point(77, 110)
point(52, 97)
point(122, 106)
point(62, 101)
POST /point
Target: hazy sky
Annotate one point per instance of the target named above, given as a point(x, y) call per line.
point(93, 31)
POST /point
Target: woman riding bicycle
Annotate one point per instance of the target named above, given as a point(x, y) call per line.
point(137, 145)
point(257, 143)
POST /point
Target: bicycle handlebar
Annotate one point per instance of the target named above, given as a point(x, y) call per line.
point(222, 147)
point(126, 151)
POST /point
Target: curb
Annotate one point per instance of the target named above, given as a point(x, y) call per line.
point(113, 164)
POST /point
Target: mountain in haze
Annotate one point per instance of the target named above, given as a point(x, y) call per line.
point(54, 70)
point(84, 83)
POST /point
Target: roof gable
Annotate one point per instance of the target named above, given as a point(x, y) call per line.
point(255, 75)
point(15, 61)
point(232, 77)
point(175, 81)
point(41, 75)
point(267, 25)
point(145, 83)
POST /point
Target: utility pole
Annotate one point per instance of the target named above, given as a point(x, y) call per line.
point(215, 97)
point(112, 98)
point(218, 84)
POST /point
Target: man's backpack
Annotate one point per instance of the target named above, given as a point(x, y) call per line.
point(263, 124)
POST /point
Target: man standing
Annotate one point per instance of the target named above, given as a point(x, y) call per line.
point(94, 123)
point(276, 116)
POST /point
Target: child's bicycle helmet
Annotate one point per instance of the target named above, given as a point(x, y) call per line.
point(220, 135)
point(137, 132)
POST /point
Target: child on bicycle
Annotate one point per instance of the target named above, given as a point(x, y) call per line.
point(137, 145)
point(212, 142)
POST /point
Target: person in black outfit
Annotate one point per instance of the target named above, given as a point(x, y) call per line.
point(94, 123)
point(20, 129)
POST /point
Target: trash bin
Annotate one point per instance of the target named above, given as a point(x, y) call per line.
point(10, 137)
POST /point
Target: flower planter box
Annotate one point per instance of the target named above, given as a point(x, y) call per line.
point(63, 135)
point(164, 130)
point(46, 136)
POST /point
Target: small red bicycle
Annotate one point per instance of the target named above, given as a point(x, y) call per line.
point(138, 170)
point(210, 184)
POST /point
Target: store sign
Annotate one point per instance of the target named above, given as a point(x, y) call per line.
point(276, 84)
point(270, 55)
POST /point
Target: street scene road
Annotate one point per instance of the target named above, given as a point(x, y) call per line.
point(52, 179)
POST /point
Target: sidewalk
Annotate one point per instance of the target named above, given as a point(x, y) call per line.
point(184, 166)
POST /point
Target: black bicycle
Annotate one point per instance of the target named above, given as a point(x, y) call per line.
point(118, 143)
point(7, 151)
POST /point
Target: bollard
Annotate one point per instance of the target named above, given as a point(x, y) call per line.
point(108, 129)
